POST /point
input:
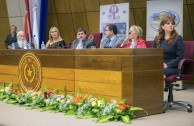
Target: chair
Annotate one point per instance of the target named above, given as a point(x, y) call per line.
point(149, 44)
point(97, 38)
point(185, 70)
point(68, 45)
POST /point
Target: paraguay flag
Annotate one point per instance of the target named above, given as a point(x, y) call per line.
point(36, 19)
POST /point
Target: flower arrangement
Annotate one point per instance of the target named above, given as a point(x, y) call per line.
point(8, 94)
point(74, 104)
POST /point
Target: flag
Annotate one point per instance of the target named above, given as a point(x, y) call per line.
point(35, 28)
point(27, 23)
point(39, 19)
point(43, 20)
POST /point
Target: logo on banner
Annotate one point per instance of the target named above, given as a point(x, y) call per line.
point(113, 10)
point(155, 18)
point(30, 74)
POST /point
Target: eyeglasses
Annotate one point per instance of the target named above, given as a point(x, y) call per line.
point(129, 32)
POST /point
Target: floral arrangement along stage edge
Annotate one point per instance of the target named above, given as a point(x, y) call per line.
point(74, 104)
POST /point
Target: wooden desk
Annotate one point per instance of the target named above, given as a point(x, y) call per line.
point(133, 74)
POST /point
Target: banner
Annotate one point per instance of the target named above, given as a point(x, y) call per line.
point(158, 9)
point(117, 14)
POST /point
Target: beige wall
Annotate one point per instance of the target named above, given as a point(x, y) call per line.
point(16, 12)
point(68, 15)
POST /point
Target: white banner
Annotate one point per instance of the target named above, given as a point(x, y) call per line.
point(117, 14)
point(157, 9)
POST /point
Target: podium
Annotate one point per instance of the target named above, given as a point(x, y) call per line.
point(132, 74)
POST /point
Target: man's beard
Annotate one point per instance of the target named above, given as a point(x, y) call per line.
point(22, 44)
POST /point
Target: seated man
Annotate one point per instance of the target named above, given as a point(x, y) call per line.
point(81, 41)
point(112, 40)
point(22, 43)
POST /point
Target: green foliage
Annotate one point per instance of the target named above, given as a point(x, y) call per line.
point(73, 104)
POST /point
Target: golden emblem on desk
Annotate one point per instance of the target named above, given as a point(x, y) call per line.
point(30, 73)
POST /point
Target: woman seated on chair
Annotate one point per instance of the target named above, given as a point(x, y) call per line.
point(55, 41)
point(135, 32)
point(172, 43)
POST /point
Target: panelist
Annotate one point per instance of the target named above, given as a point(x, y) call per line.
point(81, 41)
point(172, 43)
point(135, 32)
point(11, 38)
point(55, 41)
point(22, 42)
point(112, 40)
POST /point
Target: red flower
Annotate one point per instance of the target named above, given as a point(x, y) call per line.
point(14, 89)
point(123, 106)
point(47, 95)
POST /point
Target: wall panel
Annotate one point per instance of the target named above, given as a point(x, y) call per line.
point(80, 20)
point(190, 1)
point(138, 14)
point(92, 5)
point(105, 2)
point(139, 3)
point(191, 16)
point(52, 7)
point(4, 23)
point(64, 6)
point(5, 29)
point(77, 6)
point(93, 24)
point(66, 28)
point(122, 1)
point(187, 24)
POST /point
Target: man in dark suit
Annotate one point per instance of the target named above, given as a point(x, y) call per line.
point(11, 38)
point(112, 40)
point(81, 41)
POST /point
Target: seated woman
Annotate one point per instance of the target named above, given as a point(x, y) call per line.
point(172, 43)
point(135, 32)
point(55, 41)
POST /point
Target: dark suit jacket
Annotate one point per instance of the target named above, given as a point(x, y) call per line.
point(9, 39)
point(87, 43)
point(114, 43)
point(173, 53)
point(57, 45)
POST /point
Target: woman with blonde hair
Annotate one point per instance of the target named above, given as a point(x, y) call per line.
point(135, 32)
point(55, 41)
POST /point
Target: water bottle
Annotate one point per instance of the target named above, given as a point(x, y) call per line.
point(43, 45)
point(132, 46)
point(29, 45)
point(13, 45)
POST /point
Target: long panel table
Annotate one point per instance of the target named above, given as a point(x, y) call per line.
point(132, 74)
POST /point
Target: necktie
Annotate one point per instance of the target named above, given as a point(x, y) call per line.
point(80, 45)
point(108, 42)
